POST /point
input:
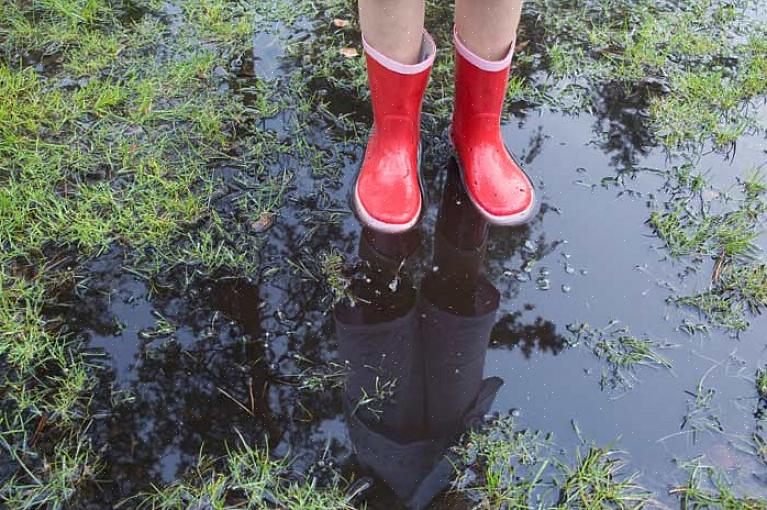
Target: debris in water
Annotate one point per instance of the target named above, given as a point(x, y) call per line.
point(349, 52)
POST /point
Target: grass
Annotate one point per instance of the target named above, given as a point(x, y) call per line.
point(706, 489)
point(320, 377)
point(696, 228)
point(696, 63)
point(596, 481)
point(332, 269)
point(622, 353)
point(499, 466)
point(68, 467)
point(247, 478)
point(109, 137)
point(701, 413)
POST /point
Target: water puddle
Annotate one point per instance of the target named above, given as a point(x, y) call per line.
point(450, 323)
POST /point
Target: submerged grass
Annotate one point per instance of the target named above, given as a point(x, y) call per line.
point(621, 352)
point(499, 466)
point(708, 489)
point(695, 227)
point(247, 478)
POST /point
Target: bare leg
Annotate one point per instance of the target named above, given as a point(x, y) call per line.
point(488, 27)
point(393, 27)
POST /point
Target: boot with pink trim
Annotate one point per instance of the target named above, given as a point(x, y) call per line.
point(495, 182)
point(387, 194)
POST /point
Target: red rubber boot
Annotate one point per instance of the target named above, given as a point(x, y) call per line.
point(387, 194)
point(496, 184)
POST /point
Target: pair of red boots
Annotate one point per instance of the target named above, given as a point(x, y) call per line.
point(387, 194)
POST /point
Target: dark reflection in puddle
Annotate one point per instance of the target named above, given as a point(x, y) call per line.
point(416, 352)
point(183, 374)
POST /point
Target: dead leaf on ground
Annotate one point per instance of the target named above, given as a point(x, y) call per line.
point(340, 23)
point(262, 224)
point(349, 52)
point(521, 46)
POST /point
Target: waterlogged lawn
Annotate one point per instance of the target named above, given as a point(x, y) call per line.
point(146, 137)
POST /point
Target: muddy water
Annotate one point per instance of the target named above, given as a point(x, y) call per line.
point(469, 320)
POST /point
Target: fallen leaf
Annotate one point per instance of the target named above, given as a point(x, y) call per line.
point(350, 52)
point(521, 46)
point(262, 224)
point(340, 23)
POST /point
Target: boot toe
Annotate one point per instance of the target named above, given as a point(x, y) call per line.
point(499, 188)
point(388, 201)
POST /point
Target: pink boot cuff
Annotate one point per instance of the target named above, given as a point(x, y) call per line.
point(428, 52)
point(485, 65)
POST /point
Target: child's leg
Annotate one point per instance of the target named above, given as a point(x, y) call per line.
point(393, 27)
point(487, 27)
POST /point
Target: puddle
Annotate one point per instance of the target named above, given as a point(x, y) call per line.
point(466, 320)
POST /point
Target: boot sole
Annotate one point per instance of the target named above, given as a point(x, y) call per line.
point(510, 220)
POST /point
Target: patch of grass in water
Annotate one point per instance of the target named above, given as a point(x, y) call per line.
point(499, 466)
point(622, 352)
point(707, 489)
point(724, 229)
point(247, 477)
point(597, 481)
point(332, 269)
point(70, 465)
point(701, 413)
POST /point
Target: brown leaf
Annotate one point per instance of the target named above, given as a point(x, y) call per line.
point(340, 23)
point(262, 224)
point(349, 52)
point(521, 46)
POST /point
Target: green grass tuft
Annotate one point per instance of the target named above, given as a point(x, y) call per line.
point(706, 489)
point(724, 230)
point(498, 466)
point(622, 353)
point(247, 477)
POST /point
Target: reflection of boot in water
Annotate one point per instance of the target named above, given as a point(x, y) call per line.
point(458, 310)
point(458, 307)
point(440, 393)
point(379, 339)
